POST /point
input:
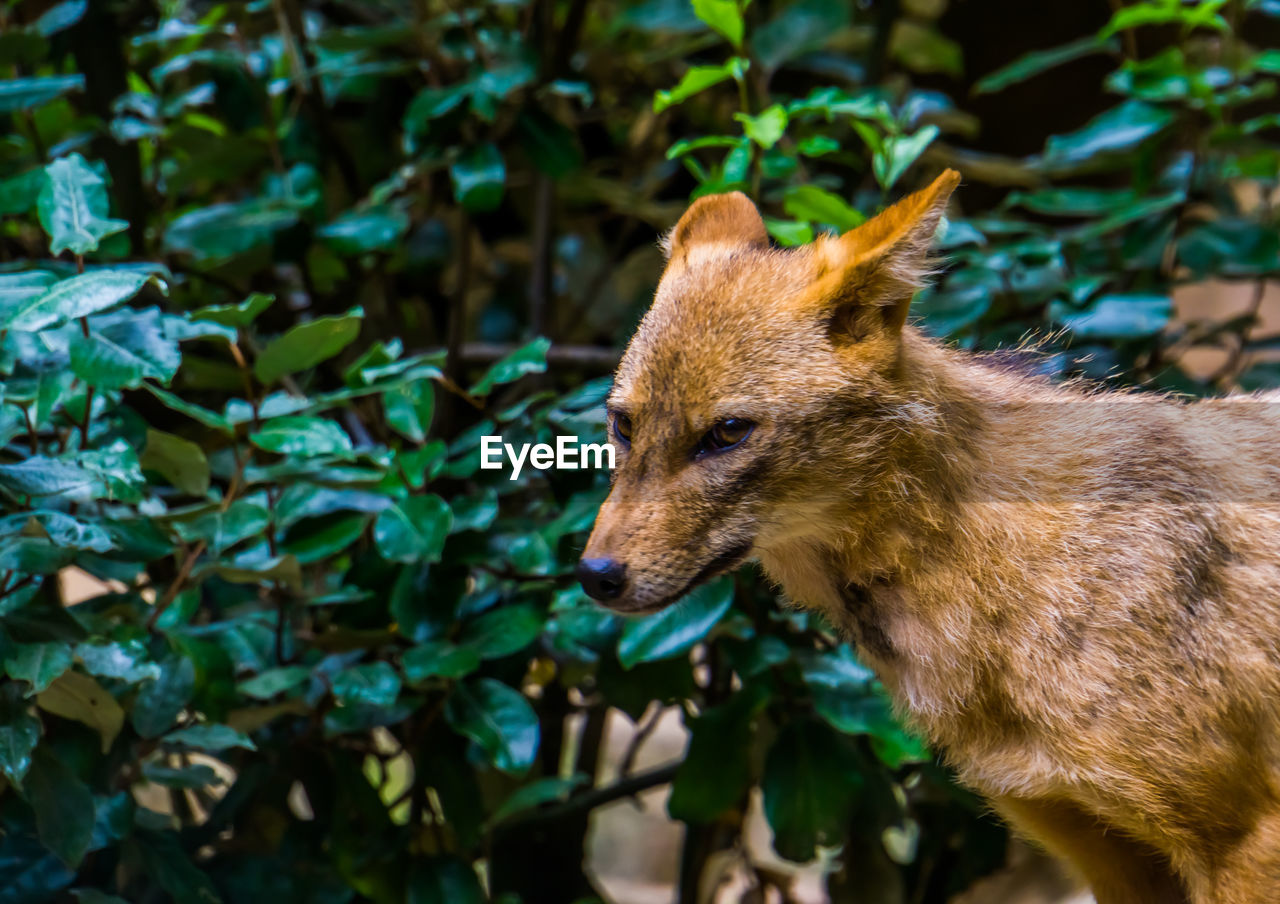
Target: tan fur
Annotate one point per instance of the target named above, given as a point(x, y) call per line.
point(1074, 594)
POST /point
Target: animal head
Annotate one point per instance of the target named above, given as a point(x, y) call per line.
point(733, 411)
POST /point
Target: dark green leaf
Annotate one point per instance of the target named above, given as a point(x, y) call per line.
point(161, 700)
point(677, 628)
point(528, 359)
point(374, 683)
point(63, 805)
point(360, 232)
point(39, 664)
point(1119, 129)
point(499, 720)
point(413, 530)
point(716, 772)
point(123, 354)
point(235, 315)
point(1038, 61)
point(25, 93)
point(479, 178)
point(809, 202)
point(209, 736)
point(1118, 316)
point(19, 733)
point(809, 787)
point(302, 436)
point(439, 659)
point(178, 460)
point(307, 345)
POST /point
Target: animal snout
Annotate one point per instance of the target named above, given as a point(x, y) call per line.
point(602, 579)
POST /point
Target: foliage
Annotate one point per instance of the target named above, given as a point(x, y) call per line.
point(254, 263)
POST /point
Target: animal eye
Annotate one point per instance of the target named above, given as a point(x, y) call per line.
point(622, 428)
point(726, 434)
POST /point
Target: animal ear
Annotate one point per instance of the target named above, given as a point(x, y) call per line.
point(873, 270)
point(728, 221)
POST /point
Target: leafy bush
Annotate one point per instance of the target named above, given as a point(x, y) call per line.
point(269, 271)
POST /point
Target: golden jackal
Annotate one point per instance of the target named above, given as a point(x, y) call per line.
point(1075, 595)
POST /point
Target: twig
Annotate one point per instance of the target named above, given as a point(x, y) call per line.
point(175, 588)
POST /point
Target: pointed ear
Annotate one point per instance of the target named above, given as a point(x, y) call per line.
point(716, 221)
point(872, 271)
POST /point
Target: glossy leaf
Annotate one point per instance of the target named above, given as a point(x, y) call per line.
point(677, 628)
point(73, 207)
point(306, 345)
point(499, 720)
point(413, 530)
point(76, 297)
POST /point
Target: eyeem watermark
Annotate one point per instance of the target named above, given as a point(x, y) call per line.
point(567, 453)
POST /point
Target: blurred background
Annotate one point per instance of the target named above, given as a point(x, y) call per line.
point(270, 269)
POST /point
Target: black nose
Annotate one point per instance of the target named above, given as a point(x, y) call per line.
point(603, 579)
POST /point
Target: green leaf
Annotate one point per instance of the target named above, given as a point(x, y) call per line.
point(698, 79)
point(161, 700)
point(766, 127)
point(60, 17)
point(39, 664)
point(503, 631)
point(413, 530)
point(439, 659)
point(724, 16)
point(441, 880)
point(528, 359)
point(1032, 64)
point(499, 720)
point(716, 772)
point(1119, 129)
point(222, 231)
point(302, 436)
point(306, 345)
point(203, 416)
point(375, 683)
point(479, 178)
point(267, 684)
point(922, 48)
point(789, 233)
point(677, 628)
point(809, 788)
point(898, 153)
point(19, 733)
point(209, 736)
point(121, 355)
point(364, 231)
point(475, 512)
point(43, 476)
point(76, 297)
point(1117, 316)
point(409, 408)
point(63, 806)
point(178, 460)
point(73, 207)
point(809, 202)
point(1202, 14)
point(235, 315)
point(432, 103)
point(26, 93)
